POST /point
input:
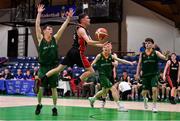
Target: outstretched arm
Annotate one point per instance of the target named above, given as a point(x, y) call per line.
point(58, 35)
point(121, 60)
point(82, 33)
point(161, 56)
point(38, 28)
point(115, 63)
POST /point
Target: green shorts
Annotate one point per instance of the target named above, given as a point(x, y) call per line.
point(52, 81)
point(150, 81)
point(105, 81)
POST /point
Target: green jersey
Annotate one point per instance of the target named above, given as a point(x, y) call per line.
point(104, 65)
point(149, 64)
point(48, 52)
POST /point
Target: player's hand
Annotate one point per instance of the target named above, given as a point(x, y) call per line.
point(178, 80)
point(40, 8)
point(70, 12)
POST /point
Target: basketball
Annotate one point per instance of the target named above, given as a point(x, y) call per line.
point(101, 33)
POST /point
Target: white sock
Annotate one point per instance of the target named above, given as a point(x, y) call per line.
point(162, 96)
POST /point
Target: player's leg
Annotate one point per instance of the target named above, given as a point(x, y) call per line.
point(163, 91)
point(97, 95)
point(172, 83)
point(104, 96)
point(53, 82)
point(105, 84)
point(115, 95)
point(173, 90)
point(42, 84)
point(136, 92)
point(88, 73)
point(154, 97)
point(145, 87)
point(56, 70)
point(178, 92)
point(103, 99)
point(39, 97)
point(154, 84)
point(54, 96)
point(82, 61)
point(133, 91)
point(167, 91)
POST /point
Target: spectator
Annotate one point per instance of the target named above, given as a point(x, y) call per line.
point(167, 91)
point(125, 77)
point(134, 84)
point(19, 75)
point(125, 88)
point(1, 76)
point(162, 86)
point(28, 75)
point(65, 76)
point(7, 74)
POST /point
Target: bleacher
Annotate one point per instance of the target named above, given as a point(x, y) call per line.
point(25, 63)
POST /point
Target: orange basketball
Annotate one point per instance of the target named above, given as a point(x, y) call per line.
point(101, 33)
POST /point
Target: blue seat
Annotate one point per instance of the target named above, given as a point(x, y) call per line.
point(119, 71)
point(24, 70)
point(131, 75)
point(130, 67)
point(14, 67)
point(133, 71)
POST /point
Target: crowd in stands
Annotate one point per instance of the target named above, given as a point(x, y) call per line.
point(7, 75)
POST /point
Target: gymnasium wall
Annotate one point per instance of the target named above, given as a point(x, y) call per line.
point(140, 23)
point(3, 40)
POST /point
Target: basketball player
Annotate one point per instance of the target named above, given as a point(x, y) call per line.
point(113, 77)
point(148, 64)
point(172, 74)
point(76, 54)
point(48, 57)
point(104, 65)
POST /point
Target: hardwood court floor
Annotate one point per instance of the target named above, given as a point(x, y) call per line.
point(22, 108)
